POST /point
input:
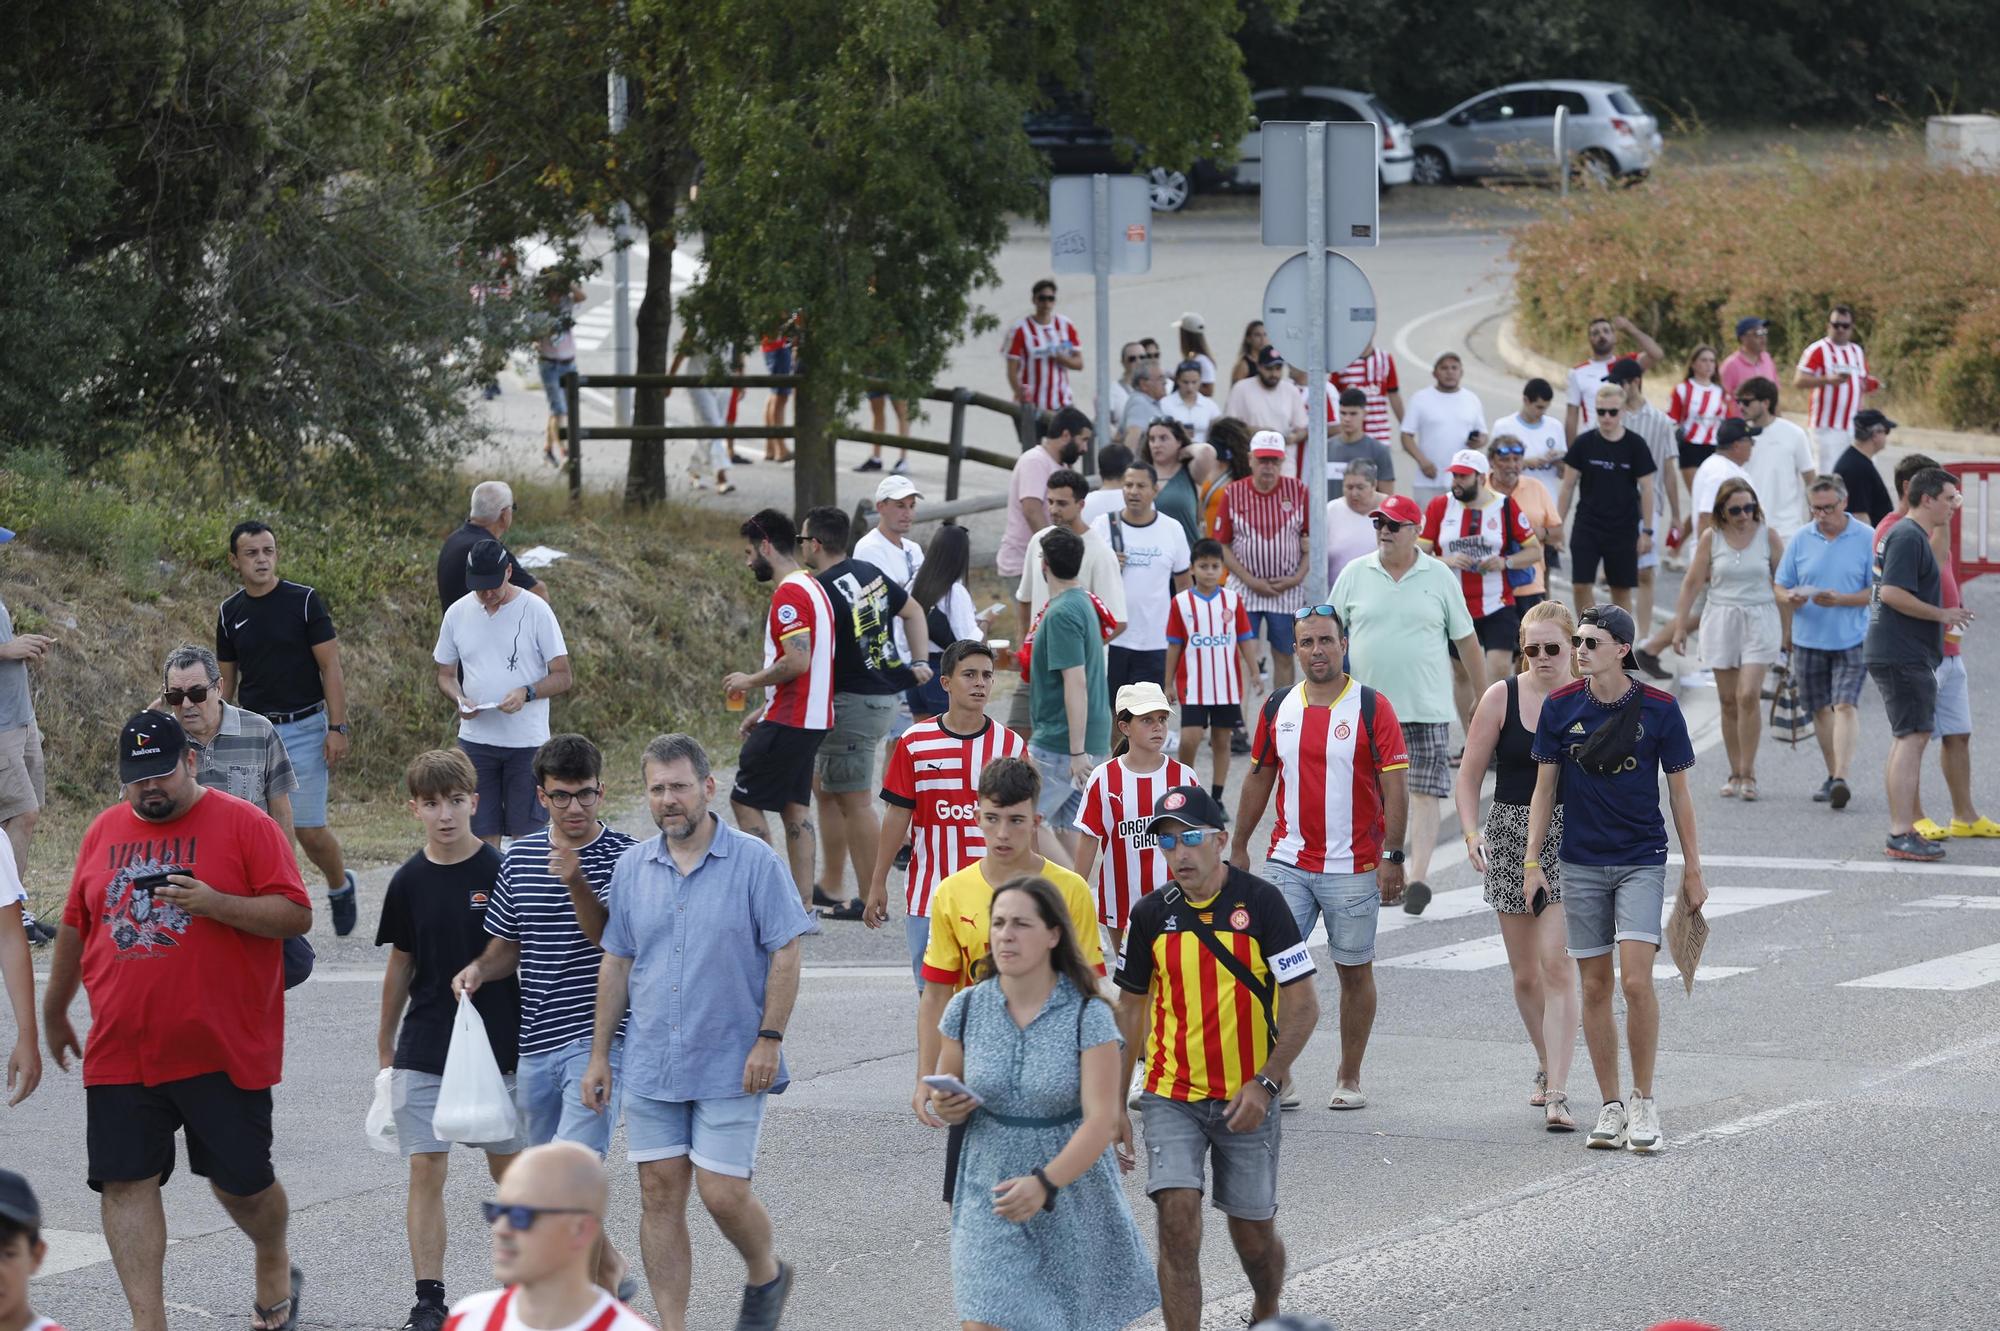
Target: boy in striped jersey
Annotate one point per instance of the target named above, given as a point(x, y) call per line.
point(1209, 646)
point(1118, 858)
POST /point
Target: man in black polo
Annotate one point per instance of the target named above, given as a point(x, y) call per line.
point(492, 515)
point(281, 660)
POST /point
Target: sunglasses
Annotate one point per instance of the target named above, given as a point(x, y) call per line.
point(1306, 612)
point(1607, 411)
point(1587, 643)
point(1745, 401)
point(1045, 296)
point(1509, 451)
point(524, 1217)
point(562, 799)
point(198, 694)
point(1535, 649)
point(1739, 510)
point(1390, 524)
point(1194, 836)
point(1133, 360)
point(1836, 323)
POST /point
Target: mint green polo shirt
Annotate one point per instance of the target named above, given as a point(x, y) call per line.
point(1398, 630)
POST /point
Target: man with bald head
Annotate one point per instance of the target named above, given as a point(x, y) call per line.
point(546, 1220)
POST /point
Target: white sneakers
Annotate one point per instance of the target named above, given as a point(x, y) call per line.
point(1609, 1134)
point(1634, 1126)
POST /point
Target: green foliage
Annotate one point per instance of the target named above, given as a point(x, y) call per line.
point(1965, 387)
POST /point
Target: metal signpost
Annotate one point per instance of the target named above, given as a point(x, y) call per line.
point(1562, 148)
point(1321, 187)
point(1101, 225)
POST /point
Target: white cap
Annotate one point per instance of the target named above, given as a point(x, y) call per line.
point(1142, 700)
point(896, 487)
point(1193, 323)
point(1469, 462)
point(1267, 443)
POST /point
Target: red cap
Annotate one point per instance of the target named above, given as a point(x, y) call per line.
point(1398, 508)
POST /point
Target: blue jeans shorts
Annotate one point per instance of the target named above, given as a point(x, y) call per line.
point(552, 373)
point(780, 362)
point(1060, 801)
point(717, 1135)
point(917, 933)
point(1954, 699)
point(549, 1090)
point(1605, 904)
point(413, 1098)
point(305, 745)
point(1277, 628)
point(1350, 902)
point(1183, 1135)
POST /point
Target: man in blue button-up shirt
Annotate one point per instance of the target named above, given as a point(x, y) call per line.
point(702, 939)
point(1827, 575)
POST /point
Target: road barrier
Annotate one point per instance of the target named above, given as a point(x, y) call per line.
point(1975, 483)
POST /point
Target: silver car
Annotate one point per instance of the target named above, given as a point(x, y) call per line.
point(1339, 105)
point(1511, 131)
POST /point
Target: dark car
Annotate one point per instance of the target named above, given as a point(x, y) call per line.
point(1076, 146)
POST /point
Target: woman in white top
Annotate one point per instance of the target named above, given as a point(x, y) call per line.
point(1740, 630)
point(1187, 403)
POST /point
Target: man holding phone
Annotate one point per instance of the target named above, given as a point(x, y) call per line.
point(1827, 577)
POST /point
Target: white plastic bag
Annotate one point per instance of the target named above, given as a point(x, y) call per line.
point(472, 1102)
point(380, 1125)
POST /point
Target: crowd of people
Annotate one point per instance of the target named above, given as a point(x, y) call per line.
point(1161, 608)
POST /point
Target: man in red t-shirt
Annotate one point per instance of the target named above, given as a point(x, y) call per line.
point(175, 922)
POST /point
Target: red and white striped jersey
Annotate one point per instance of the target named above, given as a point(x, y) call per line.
point(1329, 762)
point(1207, 628)
point(1116, 805)
point(1032, 344)
point(1453, 527)
point(1834, 408)
point(803, 701)
point(1263, 531)
point(1700, 410)
point(934, 773)
point(1375, 375)
point(497, 1310)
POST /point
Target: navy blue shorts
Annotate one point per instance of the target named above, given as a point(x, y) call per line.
point(507, 803)
point(780, 362)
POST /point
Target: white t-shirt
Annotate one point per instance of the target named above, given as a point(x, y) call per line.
point(496, 654)
point(1100, 576)
point(1584, 381)
point(1708, 479)
point(1543, 440)
point(1349, 535)
point(1441, 422)
point(958, 609)
point(474, 1311)
point(1099, 502)
point(1196, 417)
point(1115, 400)
point(898, 564)
point(1779, 454)
point(1154, 554)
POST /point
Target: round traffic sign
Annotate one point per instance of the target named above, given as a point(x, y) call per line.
point(1350, 310)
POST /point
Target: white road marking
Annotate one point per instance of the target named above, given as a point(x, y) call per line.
point(1953, 974)
point(1954, 901)
point(1889, 866)
point(1408, 351)
point(72, 1250)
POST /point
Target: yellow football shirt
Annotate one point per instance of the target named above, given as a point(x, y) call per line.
point(961, 922)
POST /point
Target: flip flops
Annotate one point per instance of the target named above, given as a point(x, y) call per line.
point(289, 1305)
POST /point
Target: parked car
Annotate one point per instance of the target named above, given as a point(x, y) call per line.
point(1341, 105)
point(1076, 146)
point(1511, 131)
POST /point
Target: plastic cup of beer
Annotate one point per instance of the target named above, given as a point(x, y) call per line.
point(1003, 653)
point(734, 700)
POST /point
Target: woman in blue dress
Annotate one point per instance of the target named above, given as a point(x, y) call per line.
point(1041, 1236)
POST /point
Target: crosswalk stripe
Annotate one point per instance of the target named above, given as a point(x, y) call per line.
point(1956, 901)
point(1450, 905)
point(1955, 973)
point(1843, 866)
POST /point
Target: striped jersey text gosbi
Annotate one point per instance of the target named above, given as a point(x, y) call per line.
point(1116, 805)
point(800, 605)
point(1700, 410)
point(1208, 1032)
point(559, 963)
point(1453, 527)
point(1375, 375)
point(1833, 408)
point(1263, 529)
point(935, 775)
point(1207, 629)
point(1045, 377)
point(1329, 761)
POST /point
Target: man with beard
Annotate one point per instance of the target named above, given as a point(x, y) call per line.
point(1482, 536)
point(1067, 436)
point(702, 945)
point(1585, 376)
point(174, 925)
point(781, 738)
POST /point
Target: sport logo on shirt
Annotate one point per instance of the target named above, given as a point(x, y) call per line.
point(787, 613)
point(1342, 730)
point(1239, 919)
point(478, 901)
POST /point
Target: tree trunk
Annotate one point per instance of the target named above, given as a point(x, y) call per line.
point(646, 470)
point(813, 473)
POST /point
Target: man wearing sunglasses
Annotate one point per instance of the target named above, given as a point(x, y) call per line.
point(236, 751)
point(1835, 368)
point(1614, 854)
point(1610, 471)
point(1040, 352)
point(1782, 467)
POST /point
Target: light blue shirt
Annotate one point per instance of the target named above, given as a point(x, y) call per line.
point(701, 947)
point(1844, 563)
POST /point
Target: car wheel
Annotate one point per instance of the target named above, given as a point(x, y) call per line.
point(1431, 168)
point(1170, 189)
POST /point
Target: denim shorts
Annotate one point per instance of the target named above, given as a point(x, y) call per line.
point(1181, 1135)
point(1060, 801)
point(305, 745)
point(549, 1090)
point(780, 361)
point(717, 1135)
point(1954, 699)
point(507, 803)
point(1277, 626)
point(413, 1097)
point(917, 933)
point(1350, 902)
point(1605, 904)
point(552, 373)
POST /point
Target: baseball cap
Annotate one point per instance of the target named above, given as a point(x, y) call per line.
point(1187, 804)
point(17, 1201)
point(1732, 430)
point(896, 487)
point(1267, 444)
point(1469, 462)
point(486, 565)
point(1613, 619)
point(1750, 323)
point(1871, 419)
point(1193, 323)
point(150, 746)
point(1270, 356)
point(1398, 508)
point(1141, 700)
point(1624, 370)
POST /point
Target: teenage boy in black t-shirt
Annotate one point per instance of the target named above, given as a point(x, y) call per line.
point(434, 919)
point(1613, 468)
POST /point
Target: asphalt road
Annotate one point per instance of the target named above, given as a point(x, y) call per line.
point(1828, 1089)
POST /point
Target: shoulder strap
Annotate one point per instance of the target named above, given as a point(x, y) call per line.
point(1264, 990)
point(1368, 718)
point(498, 1318)
point(963, 1009)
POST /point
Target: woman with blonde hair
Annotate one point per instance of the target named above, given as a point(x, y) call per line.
point(1503, 732)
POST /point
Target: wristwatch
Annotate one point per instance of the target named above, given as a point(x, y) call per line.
point(339, 728)
point(1393, 857)
point(531, 691)
point(1050, 1203)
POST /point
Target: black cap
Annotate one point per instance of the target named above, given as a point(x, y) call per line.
point(485, 565)
point(1613, 619)
point(1625, 370)
point(1871, 420)
point(1187, 804)
point(17, 1201)
point(1732, 430)
point(150, 746)
point(1270, 356)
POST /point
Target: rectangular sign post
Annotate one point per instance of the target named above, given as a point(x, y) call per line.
point(1100, 225)
point(1100, 267)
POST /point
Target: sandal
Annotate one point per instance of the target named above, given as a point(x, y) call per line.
point(850, 909)
point(1728, 790)
point(289, 1306)
point(1557, 1118)
point(1747, 788)
point(1541, 1095)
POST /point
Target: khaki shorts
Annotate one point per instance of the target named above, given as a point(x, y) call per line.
point(846, 758)
point(23, 786)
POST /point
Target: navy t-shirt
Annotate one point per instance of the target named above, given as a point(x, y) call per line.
point(1612, 820)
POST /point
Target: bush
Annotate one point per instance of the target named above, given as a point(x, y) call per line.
point(1686, 254)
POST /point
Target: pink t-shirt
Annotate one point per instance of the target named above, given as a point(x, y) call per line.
point(1735, 369)
point(1031, 481)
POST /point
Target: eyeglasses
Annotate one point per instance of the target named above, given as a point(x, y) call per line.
point(1305, 612)
point(1194, 836)
point(586, 799)
point(524, 1217)
point(1584, 642)
point(1739, 510)
point(1834, 507)
point(197, 694)
point(1838, 323)
point(1390, 524)
point(1535, 649)
point(1607, 411)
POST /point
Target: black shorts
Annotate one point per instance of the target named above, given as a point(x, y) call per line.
point(775, 768)
point(1211, 716)
point(1499, 631)
point(129, 1133)
point(1620, 556)
point(1525, 601)
point(1909, 697)
point(1693, 455)
point(1123, 665)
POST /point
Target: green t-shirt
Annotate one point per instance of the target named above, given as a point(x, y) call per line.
point(1068, 637)
point(1397, 633)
